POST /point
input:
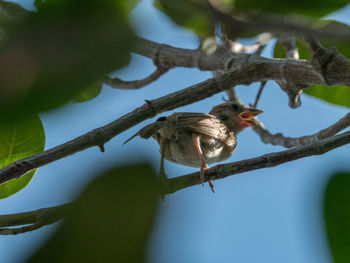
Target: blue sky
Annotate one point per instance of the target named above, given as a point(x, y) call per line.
point(268, 215)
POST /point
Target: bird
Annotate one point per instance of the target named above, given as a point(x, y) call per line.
point(199, 139)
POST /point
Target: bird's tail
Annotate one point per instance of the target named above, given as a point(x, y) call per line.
point(146, 131)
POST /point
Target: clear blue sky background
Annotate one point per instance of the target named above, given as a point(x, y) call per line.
point(269, 215)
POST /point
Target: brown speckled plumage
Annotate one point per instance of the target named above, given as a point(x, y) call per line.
point(198, 139)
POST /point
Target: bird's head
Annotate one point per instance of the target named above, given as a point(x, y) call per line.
point(236, 116)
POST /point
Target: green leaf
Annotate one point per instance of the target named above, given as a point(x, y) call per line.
point(337, 216)
point(191, 14)
point(90, 93)
point(60, 51)
point(341, 44)
point(313, 8)
point(110, 222)
point(11, 13)
point(339, 95)
point(129, 5)
point(304, 53)
point(19, 139)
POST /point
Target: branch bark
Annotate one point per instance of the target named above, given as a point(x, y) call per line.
point(245, 69)
point(288, 142)
point(50, 215)
point(136, 84)
point(33, 219)
point(265, 161)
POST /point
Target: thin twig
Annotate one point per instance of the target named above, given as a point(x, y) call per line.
point(136, 84)
point(19, 230)
point(288, 142)
point(262, 85)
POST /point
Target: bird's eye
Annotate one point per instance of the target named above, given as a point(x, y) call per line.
point(235, 107)
point(161, 119)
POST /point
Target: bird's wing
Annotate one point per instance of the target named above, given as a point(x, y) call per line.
point(202, 123)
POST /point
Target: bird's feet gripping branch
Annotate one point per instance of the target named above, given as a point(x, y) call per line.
point(199, 139)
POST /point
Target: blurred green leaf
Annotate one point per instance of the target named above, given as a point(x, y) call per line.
point(60, 51)
point(313, 8)
point(91, 92)
point(110, 222)
point(340, 43)
point(337, 216)
point(339, 95)
point(11, 13)
point(191, 14)
point(129, 5)
point(19, 139)
point(304, 53)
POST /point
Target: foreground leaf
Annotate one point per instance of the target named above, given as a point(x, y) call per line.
point(61, 50)
point(337, 216)
point(110, 222)
point(190, 14)
point(339, 95)
point(91, 92)
point(19, 139)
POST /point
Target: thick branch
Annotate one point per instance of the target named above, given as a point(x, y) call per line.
point(220, 171)
point(168, 57)
point(246, 69)
point(288, 70)
point(268, 160)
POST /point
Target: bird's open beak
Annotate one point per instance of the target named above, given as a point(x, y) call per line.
point(249, 113)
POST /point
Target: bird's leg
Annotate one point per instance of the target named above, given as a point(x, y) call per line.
point(162, 176)
point(204, 165)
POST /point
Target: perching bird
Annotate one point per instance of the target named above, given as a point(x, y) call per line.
point(199, 139)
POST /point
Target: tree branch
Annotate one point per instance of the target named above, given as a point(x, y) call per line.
point(50, 215)
point(33, 219)
point(19, 230)
point(245, 69)
point(265, 161)
point(288, 142)
point(331, 69)
point(169, 57)
point(136, 84)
